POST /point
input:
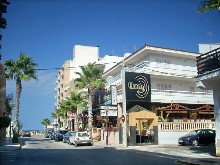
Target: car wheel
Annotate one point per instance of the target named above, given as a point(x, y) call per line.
point(195, 142)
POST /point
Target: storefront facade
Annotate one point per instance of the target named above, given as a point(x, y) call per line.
point(153, 78)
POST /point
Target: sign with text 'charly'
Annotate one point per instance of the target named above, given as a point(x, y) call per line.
point(138, 86)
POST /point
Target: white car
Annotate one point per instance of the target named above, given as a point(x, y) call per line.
point(80, 138)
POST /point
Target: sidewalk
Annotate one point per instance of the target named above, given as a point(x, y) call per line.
point(7, 144)
point(201, 155)
point(8, 151)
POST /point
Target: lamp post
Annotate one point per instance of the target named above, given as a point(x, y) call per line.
point(106, 111)
point(124, 124)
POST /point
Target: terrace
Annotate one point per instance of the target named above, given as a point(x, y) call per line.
point(208, 62)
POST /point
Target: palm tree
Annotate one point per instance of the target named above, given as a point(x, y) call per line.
point(90, 78)
point(75, 101)
point(56, 116)
point(207, 5)
point(22, 69)
point(62, 110)
point(46, 122)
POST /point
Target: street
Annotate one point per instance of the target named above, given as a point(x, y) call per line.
point(40, 151)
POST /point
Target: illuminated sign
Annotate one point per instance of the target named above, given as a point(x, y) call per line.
point(138, 87)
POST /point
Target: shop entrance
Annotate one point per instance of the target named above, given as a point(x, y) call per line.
point(143, 132)
point(142, 126)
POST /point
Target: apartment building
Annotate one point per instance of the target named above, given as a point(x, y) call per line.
point(82, 55)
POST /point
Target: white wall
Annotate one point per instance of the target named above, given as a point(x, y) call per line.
point(85, 54)
point(170, 137)
point(204, 48)
point(174, 65)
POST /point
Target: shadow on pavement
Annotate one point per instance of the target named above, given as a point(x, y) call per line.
point(205, 149)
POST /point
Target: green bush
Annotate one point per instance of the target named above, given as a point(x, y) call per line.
point(4, 121)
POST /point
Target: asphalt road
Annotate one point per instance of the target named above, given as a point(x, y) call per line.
point(40, 151)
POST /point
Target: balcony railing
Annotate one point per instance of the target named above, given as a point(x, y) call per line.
point(181, 93)
point(208, 62)
point(152, 68)
point(184, 126)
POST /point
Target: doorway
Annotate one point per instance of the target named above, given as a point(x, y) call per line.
point(142, 126)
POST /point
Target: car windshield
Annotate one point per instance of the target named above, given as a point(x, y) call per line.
point(193, 133)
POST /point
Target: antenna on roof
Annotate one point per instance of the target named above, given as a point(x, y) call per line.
point(113, 52)
point(135, 48)
point(209, 34)
point(125, 49)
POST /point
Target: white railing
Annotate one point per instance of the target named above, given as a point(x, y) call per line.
point(151, 67)
point(181, 93)
point(184, 126)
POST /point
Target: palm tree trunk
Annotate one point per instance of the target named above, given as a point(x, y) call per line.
point(16, 125)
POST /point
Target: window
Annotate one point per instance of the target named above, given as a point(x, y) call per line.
point(163, 63)
point(164, 89)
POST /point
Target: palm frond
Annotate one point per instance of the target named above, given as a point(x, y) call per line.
point(207, 5)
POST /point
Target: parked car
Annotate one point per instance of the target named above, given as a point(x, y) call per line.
point(196, 137)
point(80, 138)
point(52, 136)
point(67, 135)
point(48, 132)
point(26, 134)
point(59, 135)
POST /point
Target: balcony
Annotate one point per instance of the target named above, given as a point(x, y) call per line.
point(166, 96)
point(208, 62)
point(153, 68)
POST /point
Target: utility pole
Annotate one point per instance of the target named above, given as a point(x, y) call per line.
point(106, 111)
point(124, 112)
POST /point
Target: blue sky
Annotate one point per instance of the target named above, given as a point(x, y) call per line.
point(47, 30)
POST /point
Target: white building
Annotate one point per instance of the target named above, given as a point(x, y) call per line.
point(204, 48)
point(173, 86)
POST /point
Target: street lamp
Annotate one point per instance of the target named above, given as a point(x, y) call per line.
point(106, 111)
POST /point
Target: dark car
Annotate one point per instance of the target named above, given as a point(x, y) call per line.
point(48, 132)
point(52, 136)
point(26, 134)
point(59, 135)
point(67, 136)
point(196, 137)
